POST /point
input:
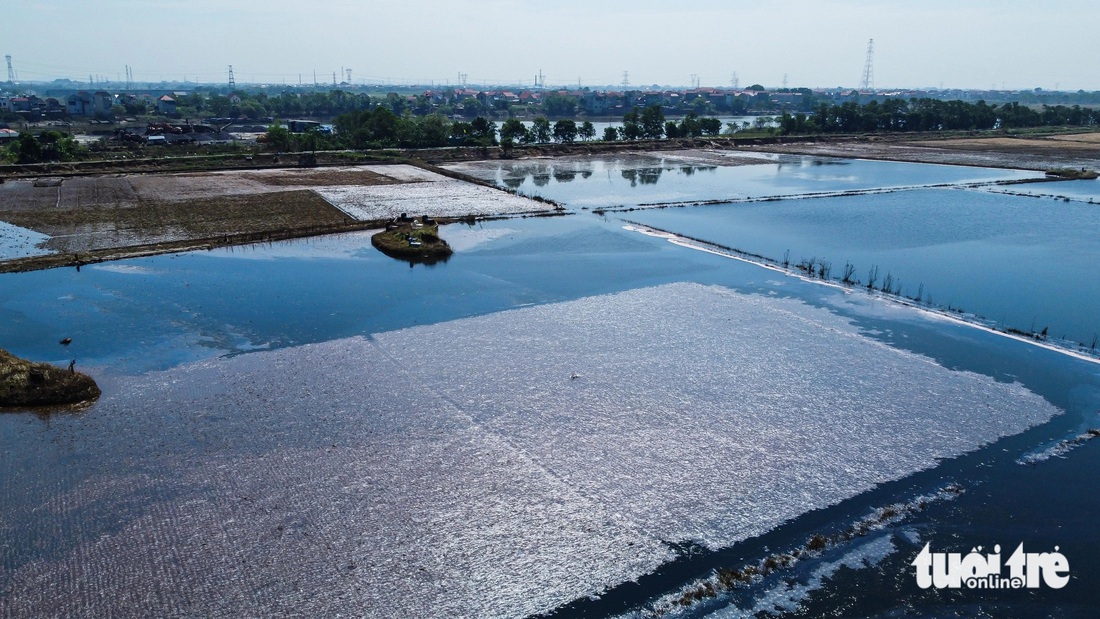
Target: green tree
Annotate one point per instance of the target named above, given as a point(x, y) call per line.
point(484, 131)
point(219, 106)
point(278, 138)
point(423, 132)
point(565, 131)
point(26, 148)
point(540, 130)
point(253, 109)
point(610, 134)
point(559, 104)
point(653, 122)
point(58, 146)
point(713, 126)
point(512, 129)
point(135, 107)
point(586, 131)
point(462, 134)
point(632, 126)
point(689, 126)
point(434, 129)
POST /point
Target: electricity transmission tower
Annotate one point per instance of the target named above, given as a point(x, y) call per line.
point(734, 81)
point(868, 68)
point(626, 79)
point(232, 82)
point(11, 71)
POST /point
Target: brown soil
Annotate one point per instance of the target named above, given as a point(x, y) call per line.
point(1033, 153)
point(24, 383)
point(82, 226)
point(319, 177)
point(1052, 145)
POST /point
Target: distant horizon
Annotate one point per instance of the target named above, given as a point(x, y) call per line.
point(1007, 45)
point(141, 85)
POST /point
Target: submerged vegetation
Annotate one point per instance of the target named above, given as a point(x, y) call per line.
point(727, 579)
point(821, 269)
point(25, 383)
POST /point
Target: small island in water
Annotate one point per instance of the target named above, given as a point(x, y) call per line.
point(413, 240)
point(25, 383)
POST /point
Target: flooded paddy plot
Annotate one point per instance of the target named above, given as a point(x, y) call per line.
point(17, 242)
point(1016, 262)
point(638, 180)
point(100, 212)
point(438, 198)
point(493, 466)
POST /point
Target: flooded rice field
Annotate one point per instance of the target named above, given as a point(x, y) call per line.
point(68, 215)
point(568, 418)
point(1012, 261)
point(653, 180)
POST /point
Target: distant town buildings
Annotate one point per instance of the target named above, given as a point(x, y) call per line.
point(465, 102)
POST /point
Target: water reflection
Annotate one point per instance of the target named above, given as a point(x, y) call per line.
point(644, 176)
point(636, 169)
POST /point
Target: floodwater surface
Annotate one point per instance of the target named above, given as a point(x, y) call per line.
point(637, 179)
point(566, 417)
point(1015, 261)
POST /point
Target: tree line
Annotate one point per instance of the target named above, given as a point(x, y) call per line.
point(380, 127)
point(932, 115)
point(48, 146)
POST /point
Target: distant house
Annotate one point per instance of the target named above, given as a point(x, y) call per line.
point(234, 99)
point(20, 104)
point(102, 102)
point(79, 104)
point(166, 105)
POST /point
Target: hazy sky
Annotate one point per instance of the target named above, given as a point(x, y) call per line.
point(929, 43)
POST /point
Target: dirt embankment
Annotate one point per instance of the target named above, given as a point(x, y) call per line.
point(1036, 152)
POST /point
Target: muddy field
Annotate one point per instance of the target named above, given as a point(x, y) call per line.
point(1033, 153)
point(112, 211)
point(93, 213)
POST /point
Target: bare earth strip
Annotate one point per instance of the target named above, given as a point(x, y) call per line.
point(1005, 152)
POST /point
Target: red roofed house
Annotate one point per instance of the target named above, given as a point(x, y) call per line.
point(166, 105)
